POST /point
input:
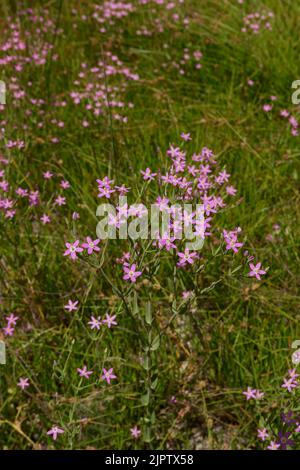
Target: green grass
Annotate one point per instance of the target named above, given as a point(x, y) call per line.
point(234, 335)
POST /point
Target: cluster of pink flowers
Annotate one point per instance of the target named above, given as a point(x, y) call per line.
point(110, 11)
point(73, 248)
point(197, 180)
point(162, 16)
point(109, 14)
point(6, 204)
point(254, 22)
point(9, 204)
point(12, 144)
point(231, 239)
point(291, 381)
point(107, 375)
point(292, 120)
point(284, 113)
point(156, 27)
point(105, 187)
point(188, 58)
point(270, 237)
point(267, 107)
point(10, 326)
point(109, 321)
point(253, 394)
point(96, 95)
point(290, 420)
point(19, 50)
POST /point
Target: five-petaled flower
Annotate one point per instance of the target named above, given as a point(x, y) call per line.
point(71, 305)
point(109, 320)
point(273, 446)
point(95, 323)
point(84, 372)
point(135, 432)
point(91, 245)
point(130, 273)
point(250, 393)
point(256, 271)
point(73, 249)
point(54, 431)
point(148, 175)
point(289, 384)
point(23, 383)
point(262, 434)
point(108, 375)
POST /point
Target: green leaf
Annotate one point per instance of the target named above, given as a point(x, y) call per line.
point(155, 343)
point(145, 399)
point(154, 383)
point(148, 315)
point(146, 363)
point(135, 307)
point(147, 435)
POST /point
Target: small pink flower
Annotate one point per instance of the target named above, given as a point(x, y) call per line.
point(108, 375)
point(259, 395)
point(185, 137)
point(65, 184)
point(45, 219)
point(60, 201)
point(12, 320)
point(250, 393)
point(262, 434)
point(147, 175)
point(10, 214)
point(284, 113)
point(47, 175)
point(289, 384)
point(73, 249)
point(84, 372)
point(135, 432)
point(95, 323)
point(293, 374)
point(54, 431)
point(256, 271)
point(231, 190)
point(8, 330)
point(273, 446)
point(71, 305)
point(130, 273)
point(267, 108)
point(186, 257)
point(91, 245)
point(23, 383)
point(110, 320)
